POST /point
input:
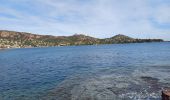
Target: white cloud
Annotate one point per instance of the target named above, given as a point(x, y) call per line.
point(162, 15)
point(99, 18)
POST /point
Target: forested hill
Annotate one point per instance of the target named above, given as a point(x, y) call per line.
point(12, 39)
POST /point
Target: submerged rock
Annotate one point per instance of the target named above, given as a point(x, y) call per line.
point(149, 79)
point(109, 85)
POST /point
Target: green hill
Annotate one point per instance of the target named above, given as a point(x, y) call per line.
point(12, 39)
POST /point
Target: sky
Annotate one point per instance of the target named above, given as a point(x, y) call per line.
point(97, 18)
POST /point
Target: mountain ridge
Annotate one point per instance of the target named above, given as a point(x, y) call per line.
point(14, 39)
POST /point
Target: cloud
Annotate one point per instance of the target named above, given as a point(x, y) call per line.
point(99, 18)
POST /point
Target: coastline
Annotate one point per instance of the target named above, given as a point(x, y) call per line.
point(79, 45)
point(12, 39)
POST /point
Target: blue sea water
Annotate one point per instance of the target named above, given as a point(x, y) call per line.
point(98, 72)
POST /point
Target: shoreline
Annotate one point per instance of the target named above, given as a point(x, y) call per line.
point(80, 45)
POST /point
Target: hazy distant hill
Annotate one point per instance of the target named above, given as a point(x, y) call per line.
point(119, 39)
point(126, 39)
point(12, 39)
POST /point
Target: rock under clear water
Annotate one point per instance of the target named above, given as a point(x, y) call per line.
point(106, 72)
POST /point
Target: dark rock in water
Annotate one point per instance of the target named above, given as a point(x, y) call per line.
point(166, 95)
point(62, 92)
point(153, 83)
point(150, 80)
point(80, 89)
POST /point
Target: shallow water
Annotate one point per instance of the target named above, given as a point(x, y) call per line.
point(136, 71)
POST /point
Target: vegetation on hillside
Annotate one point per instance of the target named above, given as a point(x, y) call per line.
point(12, 39)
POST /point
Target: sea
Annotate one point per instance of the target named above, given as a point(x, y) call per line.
point(134, 71)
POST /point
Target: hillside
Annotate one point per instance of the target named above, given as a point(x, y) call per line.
point(119, 39)
point(12, 39)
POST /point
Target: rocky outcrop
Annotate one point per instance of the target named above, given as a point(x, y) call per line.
point(166, 95)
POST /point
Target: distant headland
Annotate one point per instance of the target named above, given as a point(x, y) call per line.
point(12, 39)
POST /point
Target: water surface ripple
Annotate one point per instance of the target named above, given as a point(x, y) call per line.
point(136, 71)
